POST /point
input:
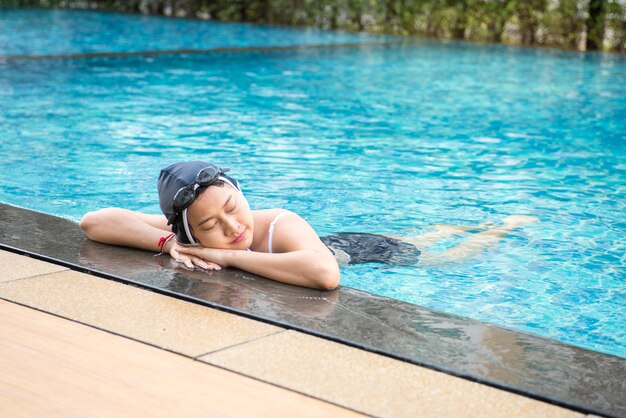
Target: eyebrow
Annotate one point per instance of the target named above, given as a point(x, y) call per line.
point(211, 217)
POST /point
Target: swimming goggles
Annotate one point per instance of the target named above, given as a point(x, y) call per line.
point(185, 196)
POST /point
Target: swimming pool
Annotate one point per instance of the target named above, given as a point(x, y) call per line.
point(376, 138)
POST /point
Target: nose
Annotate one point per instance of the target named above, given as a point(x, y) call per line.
point(231, 226)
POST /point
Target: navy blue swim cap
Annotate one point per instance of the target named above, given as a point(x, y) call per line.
point(171, 180)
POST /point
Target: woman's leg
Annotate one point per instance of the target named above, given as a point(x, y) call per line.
point(441, 232)
point(477, 243)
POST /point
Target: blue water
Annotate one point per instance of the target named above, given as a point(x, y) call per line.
point(385, 139)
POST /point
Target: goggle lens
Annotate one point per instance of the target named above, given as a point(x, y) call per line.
point(208, 176)
point(186, 195)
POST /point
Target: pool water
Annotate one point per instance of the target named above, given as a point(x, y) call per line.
point(375, 138)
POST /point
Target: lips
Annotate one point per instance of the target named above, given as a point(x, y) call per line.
point(240, 238)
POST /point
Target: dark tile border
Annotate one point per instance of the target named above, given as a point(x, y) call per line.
point(216, 50)
point(537, 367)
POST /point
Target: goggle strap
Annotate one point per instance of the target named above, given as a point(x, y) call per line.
point(186, 225)
point(225, 180)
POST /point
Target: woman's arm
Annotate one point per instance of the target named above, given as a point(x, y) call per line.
point(299, 257)
point(137, 230)
point(124, 227)
point(306, 268)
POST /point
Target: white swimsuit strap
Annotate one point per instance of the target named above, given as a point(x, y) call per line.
point(271, 237)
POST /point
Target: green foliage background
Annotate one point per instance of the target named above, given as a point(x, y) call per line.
point(571, 24)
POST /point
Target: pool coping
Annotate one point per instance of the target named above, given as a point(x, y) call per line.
point(522, 363)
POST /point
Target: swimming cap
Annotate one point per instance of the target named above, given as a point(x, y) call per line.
point(171, 180)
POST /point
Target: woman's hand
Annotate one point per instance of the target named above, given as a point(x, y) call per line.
point(212, 256)
point(188, 258)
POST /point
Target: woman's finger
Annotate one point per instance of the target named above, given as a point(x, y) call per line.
point(215, 266)
point(193, 257)
point(188, 263)
point(185, 260)
point(207, 265)
point(200, 263)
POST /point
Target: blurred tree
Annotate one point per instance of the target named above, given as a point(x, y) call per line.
point(565, 24)
point(528, 14)
point(615, 29)
point(460, 19)
point(356, 9)
point(496, 13)
point(595, 24)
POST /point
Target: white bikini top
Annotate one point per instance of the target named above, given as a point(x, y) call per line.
point(271, 236)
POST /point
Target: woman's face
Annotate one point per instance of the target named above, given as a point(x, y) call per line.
point(221, 218)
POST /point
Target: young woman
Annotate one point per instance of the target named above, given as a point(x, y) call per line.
point(207, 223)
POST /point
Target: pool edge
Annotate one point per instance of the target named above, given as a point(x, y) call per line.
point(49, 220)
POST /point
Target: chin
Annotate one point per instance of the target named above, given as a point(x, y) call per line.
point(243, 245)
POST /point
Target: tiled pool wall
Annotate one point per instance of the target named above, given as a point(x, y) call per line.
point(523, 363)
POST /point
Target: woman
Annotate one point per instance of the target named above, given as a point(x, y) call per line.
point(213, 226)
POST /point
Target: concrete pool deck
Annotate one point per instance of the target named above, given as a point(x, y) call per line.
point(57, 367)
point(272, 350)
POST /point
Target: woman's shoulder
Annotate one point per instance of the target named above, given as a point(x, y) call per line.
point(265, 217)
point(270, 214)
point(268, 211)
point(263, 224)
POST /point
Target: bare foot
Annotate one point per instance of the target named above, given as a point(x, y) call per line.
point(517, 221)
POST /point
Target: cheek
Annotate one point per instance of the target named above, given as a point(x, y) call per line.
point(248, 220)
point(205, 240)
point(209, 238)
point(246, 213)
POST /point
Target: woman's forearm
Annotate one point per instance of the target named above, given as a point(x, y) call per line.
point(302, 268)
point(121, 227)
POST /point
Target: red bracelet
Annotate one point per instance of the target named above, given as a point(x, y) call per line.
point(164, 241)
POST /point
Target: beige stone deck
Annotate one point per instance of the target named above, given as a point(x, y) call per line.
point(72, 344)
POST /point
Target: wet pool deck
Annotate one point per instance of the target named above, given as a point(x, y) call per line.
point(75, 342)
point(97, 346)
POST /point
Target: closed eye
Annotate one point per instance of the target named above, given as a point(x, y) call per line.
point(210, 227)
